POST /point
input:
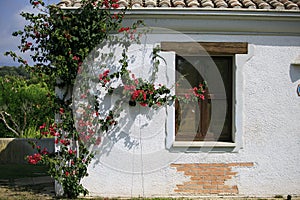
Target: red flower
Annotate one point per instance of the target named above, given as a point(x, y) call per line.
point(135, 95)
point(67, 173)
point(43, 126)
point(129, 87)
point(132, 37)
point(115, 16)
point(61, 111)
point(115, 5)
point(27, 46)
point(124, 29)
point(36, 3)
point(98, 141)
point(106, 4)
point(136, 81)
point(75, 58)
point(56, 141)
point(201, 96)
point(55, 134)
point(143, 104)
point(45, 133)
point(34, 159)
point(105, 73)
point(65, 142)
point(45, 151)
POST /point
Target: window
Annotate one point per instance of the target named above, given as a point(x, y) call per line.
point(213, 118)
point(193, 120)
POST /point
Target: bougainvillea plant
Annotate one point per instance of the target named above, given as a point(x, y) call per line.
point(60, 41)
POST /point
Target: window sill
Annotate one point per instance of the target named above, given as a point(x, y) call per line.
point(203, 144)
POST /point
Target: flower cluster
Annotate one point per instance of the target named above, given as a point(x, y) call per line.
point(26, 46)
point(146, 94)
point(199, 91)
point(34, 159)
point(37, 157)
point(110, 4)
point(104, 78)
point(51, 130)
point(122, 29)
point(194, 94)
point(69, 164)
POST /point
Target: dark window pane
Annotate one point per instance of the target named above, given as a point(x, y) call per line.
point(193, 120)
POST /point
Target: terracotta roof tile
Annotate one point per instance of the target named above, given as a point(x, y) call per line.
point(164, 3)
point(206, 4)
point(241, 4)
point(248, 4)
point(220, 4)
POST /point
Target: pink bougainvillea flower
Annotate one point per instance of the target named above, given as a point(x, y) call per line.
point(61, 111)
point(136, 81)
point(98, 141)
point(71, 151)
point(115, 16)
point(45, 151)
point(75, 58)
point(124, 29)
point(43, 126)
point(34, 159)
point(65, 142)
point(44, 132)
point(115, 5)
point(201, 96)
point(143, 104)
point(83, 96)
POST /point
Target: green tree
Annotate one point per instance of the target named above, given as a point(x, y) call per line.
point(13, 71)
point(24, 104)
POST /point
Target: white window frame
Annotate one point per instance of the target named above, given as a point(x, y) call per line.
point(239, 59)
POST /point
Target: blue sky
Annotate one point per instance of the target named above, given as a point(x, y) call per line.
point(11, 21)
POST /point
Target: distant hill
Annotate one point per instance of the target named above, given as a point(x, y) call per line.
point(13, 71)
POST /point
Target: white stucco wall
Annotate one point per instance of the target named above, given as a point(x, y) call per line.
point(267, 113)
